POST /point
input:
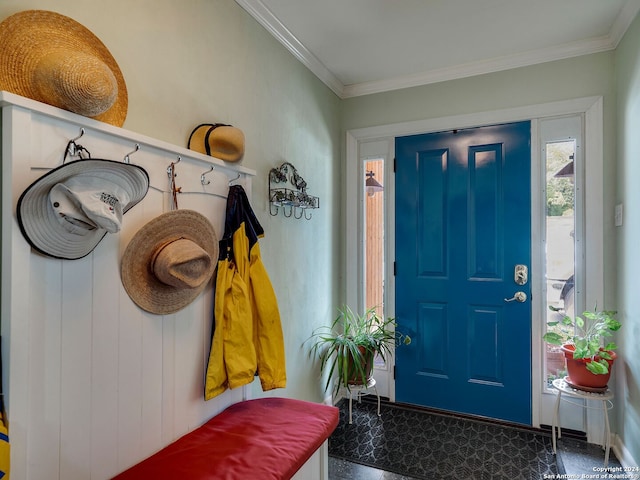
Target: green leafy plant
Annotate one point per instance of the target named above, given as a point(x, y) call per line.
point(346, 348)
point(587, 335)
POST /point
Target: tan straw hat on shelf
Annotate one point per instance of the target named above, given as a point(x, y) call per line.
point(170, 261)
point(53, 59)
point(219, 140)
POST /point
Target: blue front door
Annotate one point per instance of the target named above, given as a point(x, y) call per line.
point(463, 225)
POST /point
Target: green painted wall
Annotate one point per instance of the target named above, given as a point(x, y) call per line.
point(547, 82)
point(628, 236)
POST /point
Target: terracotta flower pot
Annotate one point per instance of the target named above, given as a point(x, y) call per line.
point(555, 360)
point(367, 365)
point(578, 373)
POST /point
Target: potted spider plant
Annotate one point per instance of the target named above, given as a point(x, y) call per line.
point(347, 347)
point(584, 341)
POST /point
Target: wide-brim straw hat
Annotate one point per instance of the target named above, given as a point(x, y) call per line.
point(66, 213)
point(219, 140)
point(170, 261)
point(52, 58)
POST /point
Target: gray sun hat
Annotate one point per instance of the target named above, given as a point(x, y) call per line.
point(65, 213)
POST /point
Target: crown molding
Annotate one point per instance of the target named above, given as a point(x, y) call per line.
point(622, 23)
point(269, 21)
point(456, 72)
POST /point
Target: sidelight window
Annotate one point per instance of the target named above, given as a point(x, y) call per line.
point(374, 248)
point(561, 155)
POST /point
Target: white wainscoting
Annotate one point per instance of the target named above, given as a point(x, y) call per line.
point(92, 383)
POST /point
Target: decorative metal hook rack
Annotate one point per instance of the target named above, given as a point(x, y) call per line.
point(294, 196)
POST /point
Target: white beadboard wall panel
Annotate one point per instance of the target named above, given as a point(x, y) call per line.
point(16, 273)
point(93, 383)
point(75, 367)
point(45, 345)
point(104, 341)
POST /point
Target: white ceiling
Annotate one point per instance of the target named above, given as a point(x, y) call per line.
point(358, 47)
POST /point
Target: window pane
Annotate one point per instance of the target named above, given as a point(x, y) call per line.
point(374, 239)
point(374, 236)
point(560, 242)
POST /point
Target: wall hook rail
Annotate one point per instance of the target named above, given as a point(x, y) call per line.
point(292, 196)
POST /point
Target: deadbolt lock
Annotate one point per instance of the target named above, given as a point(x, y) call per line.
point(521, 274)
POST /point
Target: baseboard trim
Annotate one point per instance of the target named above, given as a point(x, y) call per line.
point(567, 432)
point(621, 452)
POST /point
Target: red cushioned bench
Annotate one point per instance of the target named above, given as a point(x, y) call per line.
point(262, 439)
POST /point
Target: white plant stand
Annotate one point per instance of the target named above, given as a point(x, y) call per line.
point(361, 390)
point(606, 398)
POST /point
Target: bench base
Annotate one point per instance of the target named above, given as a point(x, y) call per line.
point(317, 467)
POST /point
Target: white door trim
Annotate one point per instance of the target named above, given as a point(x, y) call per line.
point(592, 107)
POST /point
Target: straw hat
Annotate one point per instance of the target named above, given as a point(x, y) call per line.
point(53, 59)
point(225, 142)
point(170, 261)
point(65, 213)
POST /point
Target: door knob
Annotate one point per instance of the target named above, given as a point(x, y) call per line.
point(517, 297)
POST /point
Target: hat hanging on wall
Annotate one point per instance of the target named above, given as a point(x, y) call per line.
point(53, 59)
point(170, 261)
point(65, 213)
point(219, 140)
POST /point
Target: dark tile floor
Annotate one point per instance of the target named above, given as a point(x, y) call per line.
point(575, 458)
point(342, 470)
point(422, 444)
point(582, 460)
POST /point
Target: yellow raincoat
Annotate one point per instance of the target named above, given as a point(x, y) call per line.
point(247, 336)
point(5, 447)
